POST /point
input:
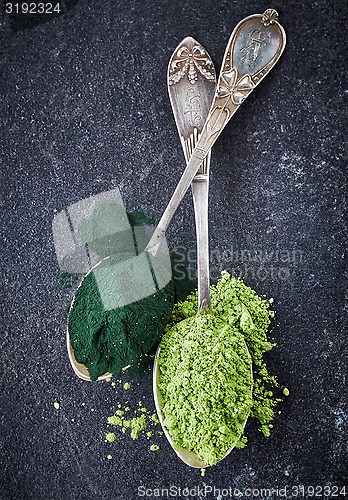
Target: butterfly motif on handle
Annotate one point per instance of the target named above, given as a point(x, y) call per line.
point(232, 88)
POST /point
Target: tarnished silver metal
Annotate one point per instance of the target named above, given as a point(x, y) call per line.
point(253, 49)
point(270, 16)
point(191, 99)
point(191, 87)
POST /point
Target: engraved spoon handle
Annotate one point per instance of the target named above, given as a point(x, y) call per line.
point(191, 87)
point(254, 47)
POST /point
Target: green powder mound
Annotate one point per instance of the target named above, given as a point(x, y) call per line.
point(206, 383)
point(109, 340)
point(240, 307)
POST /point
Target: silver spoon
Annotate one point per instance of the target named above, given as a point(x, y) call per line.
point(191, 96)
point(242, 52)
point(191, 86)
point(253, 49)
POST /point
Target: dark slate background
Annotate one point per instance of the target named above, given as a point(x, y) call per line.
point(84, 108)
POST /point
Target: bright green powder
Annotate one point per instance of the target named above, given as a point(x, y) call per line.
point(205, 370)
point(110, 437)
point(137, 425)
point(206, 385)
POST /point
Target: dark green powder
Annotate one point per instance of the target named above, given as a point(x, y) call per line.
point(111, 326)
point(109, 340)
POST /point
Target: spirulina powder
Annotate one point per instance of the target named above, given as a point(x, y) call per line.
point(110, 340)
point(205, 375)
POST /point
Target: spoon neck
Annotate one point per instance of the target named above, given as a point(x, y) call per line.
point(200, 190)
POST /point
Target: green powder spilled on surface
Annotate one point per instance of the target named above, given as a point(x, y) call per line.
point(204, 375)
point(110, 437)
point(135, 425)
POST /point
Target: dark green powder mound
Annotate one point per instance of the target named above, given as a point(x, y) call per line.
point(206, 384)
point(109, 340)
point(240, 307)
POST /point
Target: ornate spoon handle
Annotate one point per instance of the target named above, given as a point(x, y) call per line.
point(253, 49)
point(191, 86)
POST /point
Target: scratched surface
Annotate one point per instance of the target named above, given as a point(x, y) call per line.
point(84, 110)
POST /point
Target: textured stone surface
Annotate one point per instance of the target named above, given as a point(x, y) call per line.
point(85, 109)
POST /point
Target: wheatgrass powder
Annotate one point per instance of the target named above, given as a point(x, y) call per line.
point(205, 378)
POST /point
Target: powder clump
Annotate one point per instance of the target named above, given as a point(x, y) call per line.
point(110, 437)
point(206, 384)
point(246, 317)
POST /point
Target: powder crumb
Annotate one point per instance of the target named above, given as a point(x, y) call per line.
point(154, 418)
point(286, 391)
point(110, 437)
point(136, 424)
point(127, 408)
point(149, 434)
point(109, 457)
point(56, 405)
point(113, 384)
point(92, 409)
point(154, 447)
point(83, 404)
point(115, 420)
point(108, 379)
point(203, 472)
point(126, 386)
point(120, 413)
point(266, 430)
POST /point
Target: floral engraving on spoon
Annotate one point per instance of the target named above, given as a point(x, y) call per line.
point(190, 62)
point(231, 92)
point(232, 88)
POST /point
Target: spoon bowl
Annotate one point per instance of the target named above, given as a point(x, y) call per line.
point(189, 457)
